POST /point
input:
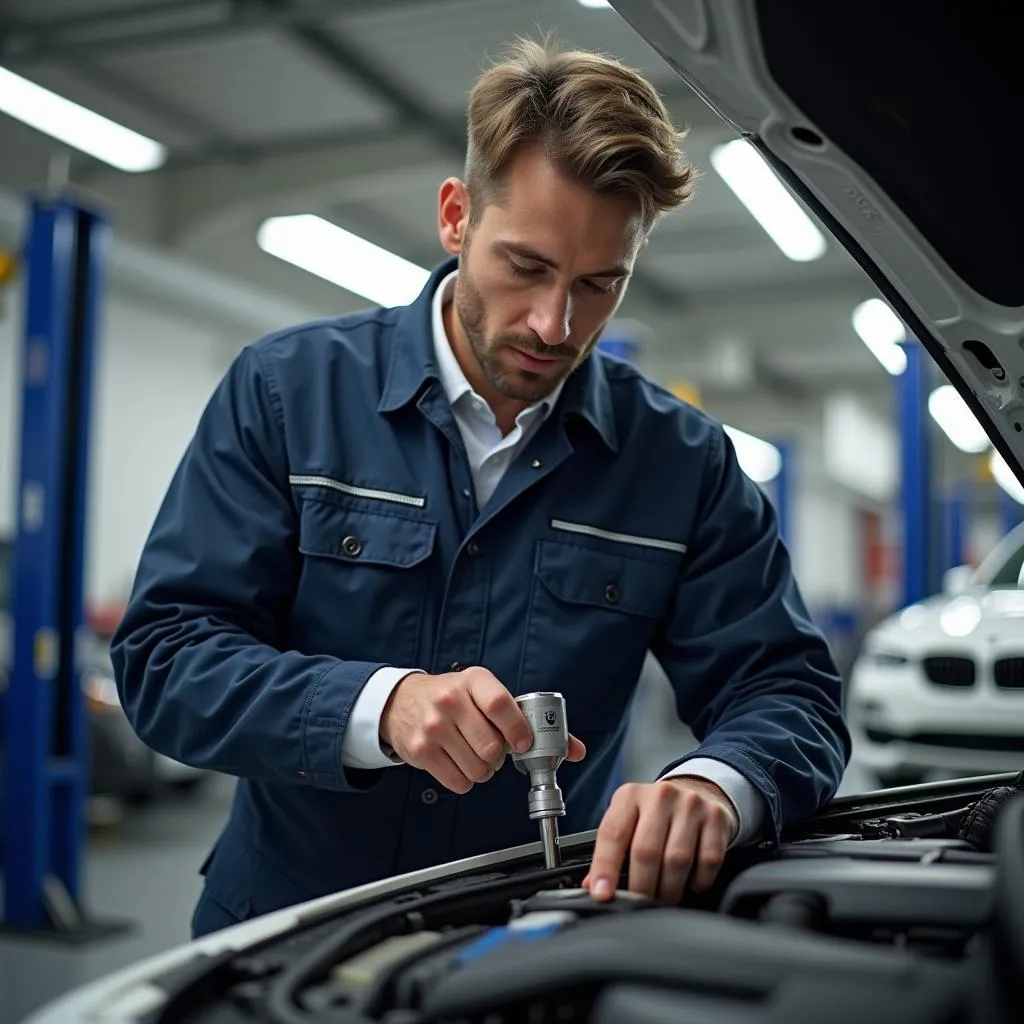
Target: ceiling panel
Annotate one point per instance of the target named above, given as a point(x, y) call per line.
point(253, 86)
point(441, 46)
point(48, 10)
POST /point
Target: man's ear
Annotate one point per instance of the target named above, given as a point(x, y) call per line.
point(453, 214)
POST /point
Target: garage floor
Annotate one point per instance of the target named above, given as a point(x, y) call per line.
point(145, 871)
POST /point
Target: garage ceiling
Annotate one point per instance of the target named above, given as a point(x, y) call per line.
point(354, 110)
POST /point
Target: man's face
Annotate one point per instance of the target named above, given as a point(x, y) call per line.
point(541, 272)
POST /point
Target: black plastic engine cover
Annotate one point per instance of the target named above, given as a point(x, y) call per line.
point(690, 952)
point(879, 893)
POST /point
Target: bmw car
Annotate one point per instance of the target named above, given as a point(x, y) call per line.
point(901, 905)
point(939, 686)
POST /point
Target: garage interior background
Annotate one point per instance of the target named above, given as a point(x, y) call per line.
point(353, 112)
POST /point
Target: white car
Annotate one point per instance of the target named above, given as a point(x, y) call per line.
point(939, 687)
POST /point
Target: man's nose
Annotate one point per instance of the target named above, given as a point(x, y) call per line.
point(551, 317)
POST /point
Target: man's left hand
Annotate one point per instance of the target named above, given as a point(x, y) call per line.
point(675, 831)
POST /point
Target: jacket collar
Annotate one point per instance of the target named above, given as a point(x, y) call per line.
point(586, 392)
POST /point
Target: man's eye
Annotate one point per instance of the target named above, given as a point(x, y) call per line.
point(521, 271)
point(602, 289)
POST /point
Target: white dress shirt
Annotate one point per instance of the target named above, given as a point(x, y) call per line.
point(490, 454)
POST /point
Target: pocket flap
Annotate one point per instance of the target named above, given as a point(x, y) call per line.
point(579, 575)
point(359, 536)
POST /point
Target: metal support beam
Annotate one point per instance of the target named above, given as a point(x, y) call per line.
point(357, 66)
point(916, 511)
point(47, 750)
point(162, 23)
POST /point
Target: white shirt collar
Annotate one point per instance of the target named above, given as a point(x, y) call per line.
point(453, 380)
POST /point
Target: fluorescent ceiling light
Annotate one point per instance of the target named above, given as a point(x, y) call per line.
point(957, 421)
point(594, 3)
point(760, 460)
point(77, 126)
point(1003, 475)
point(743, 169)
point(338, 256)
point(881, 330)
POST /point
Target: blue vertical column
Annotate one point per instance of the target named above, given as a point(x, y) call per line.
point(621, 345)
point(1011, 512)
point(46, 764)
point(915, 495)
point(957, 515)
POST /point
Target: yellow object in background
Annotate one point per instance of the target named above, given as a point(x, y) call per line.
point(8, 267)
point(686, 391)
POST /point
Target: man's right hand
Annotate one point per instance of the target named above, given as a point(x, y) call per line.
point(457, 726)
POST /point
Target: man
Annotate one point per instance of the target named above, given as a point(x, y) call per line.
point(391, 523)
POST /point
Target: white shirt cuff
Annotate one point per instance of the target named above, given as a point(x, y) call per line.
point(360, 743)
point(746, 800)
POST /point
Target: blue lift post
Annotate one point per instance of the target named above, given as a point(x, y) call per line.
point(1011, 512)
point(916, 509)
point(957, 512)
point(46, 770)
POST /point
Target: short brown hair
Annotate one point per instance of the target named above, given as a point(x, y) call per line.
point(599, 122)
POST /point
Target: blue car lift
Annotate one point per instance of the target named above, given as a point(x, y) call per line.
point(46, 763)
point(915, 498)
point(956, 517)
point(1011, 512)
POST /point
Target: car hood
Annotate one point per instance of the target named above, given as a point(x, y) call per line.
point(976, 616)
point(889, 126)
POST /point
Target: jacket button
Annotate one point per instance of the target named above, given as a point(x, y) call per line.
point(472, 549)
point(612, 594)
point(352, 546)
point(429, 796)
point(536, 464)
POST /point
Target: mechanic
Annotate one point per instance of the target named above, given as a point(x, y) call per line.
point(389, 523)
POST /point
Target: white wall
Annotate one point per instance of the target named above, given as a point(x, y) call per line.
point(154, 373)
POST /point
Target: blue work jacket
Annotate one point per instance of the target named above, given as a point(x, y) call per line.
point(322, 525)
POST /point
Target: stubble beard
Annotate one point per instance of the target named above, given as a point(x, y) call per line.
point(518, 384)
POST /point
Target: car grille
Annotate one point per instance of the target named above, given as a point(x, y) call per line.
point(950, 671)
point(1009, 673)
point(993, 744)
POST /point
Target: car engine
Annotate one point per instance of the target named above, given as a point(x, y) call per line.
point(897, 908)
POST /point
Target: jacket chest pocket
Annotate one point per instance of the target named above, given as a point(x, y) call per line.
point(364, 582)
point(591, 618)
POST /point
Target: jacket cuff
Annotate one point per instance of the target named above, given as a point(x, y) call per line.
point(751, 769)
point(747, 802)
point(361, 745)
point(325, 716)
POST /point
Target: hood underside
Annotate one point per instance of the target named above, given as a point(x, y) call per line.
point(890, 121)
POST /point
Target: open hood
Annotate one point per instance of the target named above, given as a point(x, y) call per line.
point(892, 122)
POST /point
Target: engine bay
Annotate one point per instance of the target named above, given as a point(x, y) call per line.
point(903, 907)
